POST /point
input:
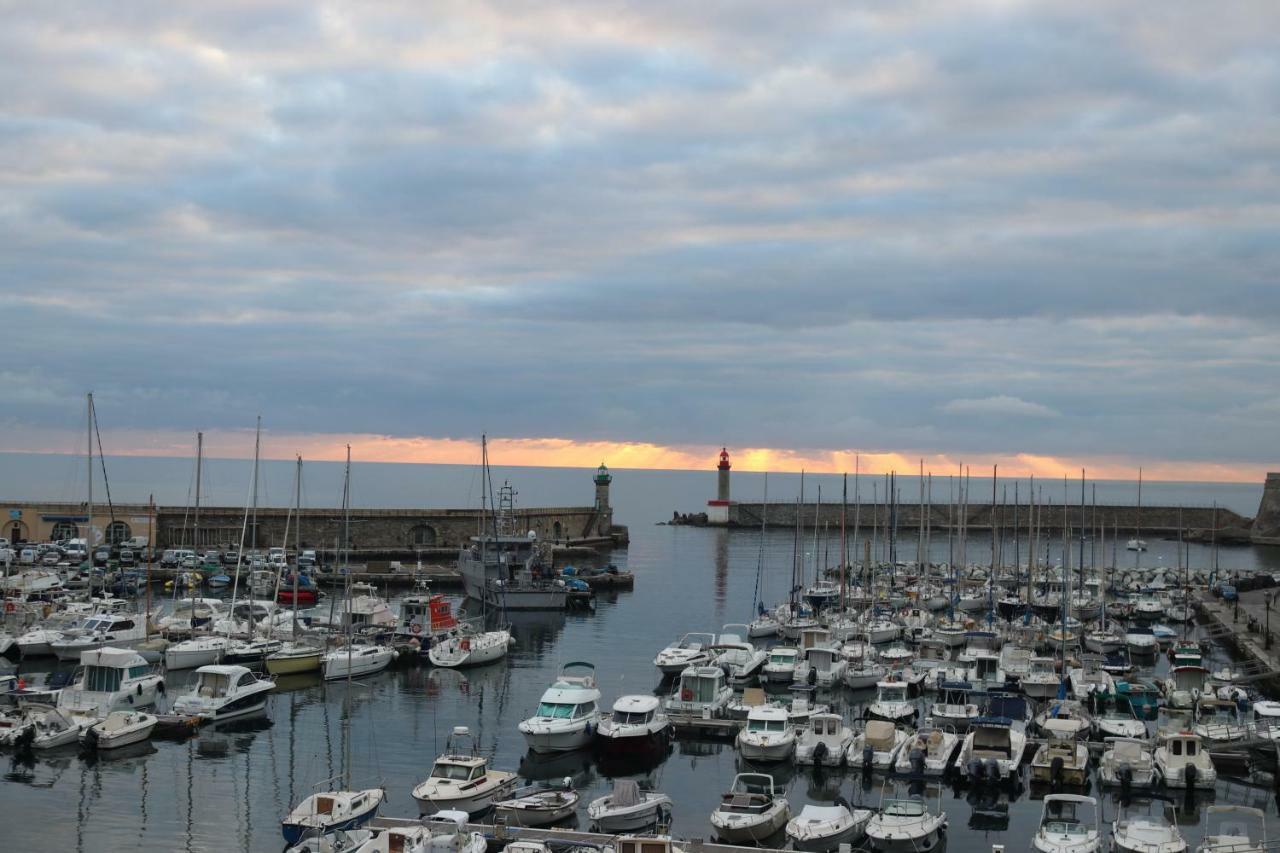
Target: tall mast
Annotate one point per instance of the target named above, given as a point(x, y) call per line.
point(151, 541)
point(297, 535)
point(920, 529)
point(857, 505)
point(1137, 527)
point(235, 584)
point(844, 515)
point(195, 530)
point(88, 528)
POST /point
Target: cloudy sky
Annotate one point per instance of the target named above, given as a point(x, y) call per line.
point(1037, 233)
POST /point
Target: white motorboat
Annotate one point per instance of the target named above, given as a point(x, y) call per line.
point(781, 666)
point(1218, 721)
point(568, 713)
point(752, 810)
point(1183, 762)
point(356, 660)
point(689, 650)
point(1042, 680)
point(992, 749)
point(876, 747)
point(111, 680)
point(105, 629)
point(1136, 545)
point(1064, 718)
point(1061, 759)
point(42, 726)
point(864, 674)
point(891, 702)
point(821, 829)
point(1089, 678)
point(462, 781)
point(954, 707)
point(1140, 641)
point(436, 836)
point(928, 752)
point(768, 735)
point(190, 615)
point(702, 690)
point(1185, 685)
point(820, 666)
point(824, 742)
point(637, 724)
point(627, 808)
point(224, 692)
point(195, 652)
point(1146, 834)
point(1068, 824)
point(470, 648)
point(741, 661)
point(364, 608)
point(1234, 829)
point(537, 805)
point(950, 632)
point(880, 631)
point(120, 728)
point(329, 812)
point(906, 826)
point(1119, 722)
point(1127, 763)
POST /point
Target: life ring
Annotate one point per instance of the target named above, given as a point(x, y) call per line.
point(10, 607)
point(686, 695)
point(415, 628)
point(466, 644)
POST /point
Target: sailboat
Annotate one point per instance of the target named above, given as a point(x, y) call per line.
point(1137, 543)
point(296, 656)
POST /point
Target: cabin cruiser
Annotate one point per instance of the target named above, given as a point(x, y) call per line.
point(928, 752)
point(824, 741)
point(223, 693)
point(120, 728)
point(752, 810)
point(195, 652)
point(992, 749)
point(637, 724)
point(1128, 763)
point(1183, 762)
point(1119, 722)
point(628, 808)
point(331, 811)
point(781, 666)
point(1185, 685)
point(689, 650)
point(702, 690)
point(906, 826)
point(1146, 834)
point(111, 680)
point(877, 746)
point(537, 805)
point(190, 615)
point(356, 659)
point(740, 660)
point(1064, 718)
point(1042, 680)
point(820, 829)
point(891, 702)
point(106, 629)
point(470, 648)
point(364, 608)
point(1089, 678)
point(1068, 824)
point(768, 735)
point(462, 781)
point(1218, 721)
point(568, 713)
point(1234, 829)
point(954, 707)
point(820, 666)
point(1061, 759)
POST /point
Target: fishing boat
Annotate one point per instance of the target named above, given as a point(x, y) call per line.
point(821, 829)
point(1218, 721)
point(702, 690)
point(928, 752)
point(751, 811)
point(1042, 680)
point(1234, 829)
point(627, 808)
point(906, 825)
point(820, 666)
point(1185, 685)
point(1183, 762)
point(1089, 678)
point(824, 741)
point(462, 780)
point(876, 747)
point(781, 666)
point(356, 659)
point(689, 650)
point(891, 702)
point(954, 708)
point(1064, 718)
point(537, 805)
point(120, 728)
point(1118, 721)
point(1127, 763)
point(1146, 834)
point(637, 724)
point(568, 713)
point(768, 735)
point(223, 693)
point(436, 836)
point(1068, 824)
point(331, 812)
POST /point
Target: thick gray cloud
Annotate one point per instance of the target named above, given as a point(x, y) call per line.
point(981, 227)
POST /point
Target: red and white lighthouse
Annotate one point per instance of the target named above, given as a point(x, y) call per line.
point(718, 509)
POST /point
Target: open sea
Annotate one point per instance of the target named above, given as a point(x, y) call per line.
point(227, 789)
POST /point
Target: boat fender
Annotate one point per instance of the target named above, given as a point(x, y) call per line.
point(160, 687)
point(416, 628)
point(9, 607)
point(1125, 774)
point(686, 695)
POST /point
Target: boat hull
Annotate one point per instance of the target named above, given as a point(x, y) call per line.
point(732, 831)
point(294, 664)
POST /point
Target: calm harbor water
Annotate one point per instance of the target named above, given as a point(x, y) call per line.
point(226, 790)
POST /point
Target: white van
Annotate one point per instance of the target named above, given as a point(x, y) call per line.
point(27, 556)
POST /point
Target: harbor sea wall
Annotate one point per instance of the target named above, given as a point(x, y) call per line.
point(1266, 526)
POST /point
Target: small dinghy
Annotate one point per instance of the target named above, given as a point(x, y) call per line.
point(1068, 824)
point(751, 811)
point(906, 826)
point(820, 829)
point(627, 808)
point(538, 805)
point(329, 812)
point(120, 728)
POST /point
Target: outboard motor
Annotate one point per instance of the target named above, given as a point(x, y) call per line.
point(22, 743)
point(977, 770)
point(1056, 768)
point(916, 758)
point(1125, 774)
point(1189, 774)
point(993, 769)
point(868, 755)
point(820, 753)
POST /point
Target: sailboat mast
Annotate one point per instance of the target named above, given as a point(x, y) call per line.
point(857, 504)
point(920, 526)
point(844, 514)
point(235, 584)
point(88, 528)
point(297, 567)
point(195, 529)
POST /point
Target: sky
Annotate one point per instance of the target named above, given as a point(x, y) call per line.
point(1038, 234)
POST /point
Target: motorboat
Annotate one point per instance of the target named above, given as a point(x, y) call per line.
point(1064, 718)
point(821, 829)
point(224, 692)
point(470, 648)
point(701, 691)
point(1127, 763)
point(1234, 829)
point(689, 650)
point(820, 666)
point(992, 749)
point(120, 728)
point(41, 726)
point(1089, 678)
point(1183, 762)
point(1146, 834)
point(741, 661)
point(1218, 721)
point(1061, 760)
point(928, 752)
point(876, 747)
point(356, 659)
point(1185, 685)
point(896, 657)
point(461, 780)
point(190, 615)
point(891, 702)
point(251, 652)
point(865, 673)
point(434, 836)
point(537, 805)
point(1104, 641)
point(328, 812)
point(104, 629)
point(954, 707)
point(1068, 824)
point(627, 808)
point(751, 811)
point(906, 826)
point(364, 608)
point(1136, 545)
point(568, 713)
point(1042, 679)
point(295, 657)
point(111, 679)
point(637, 724)
point(195, 652)
point(824, 741)
point(767, 736)
point(1118, 721)
point(781, 666)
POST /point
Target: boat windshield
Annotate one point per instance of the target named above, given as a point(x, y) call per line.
point(630, 718)
point(450, 771)
point(213, 685)
point(102, 678)
point(782, 657)
point(767, 725)
point(557, 710)
point(904, 808)
point(894, 693)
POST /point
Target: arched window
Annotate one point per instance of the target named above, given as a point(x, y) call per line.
point(117, 532)
point(64, 530)
point(423, 536)
point(555, 530)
